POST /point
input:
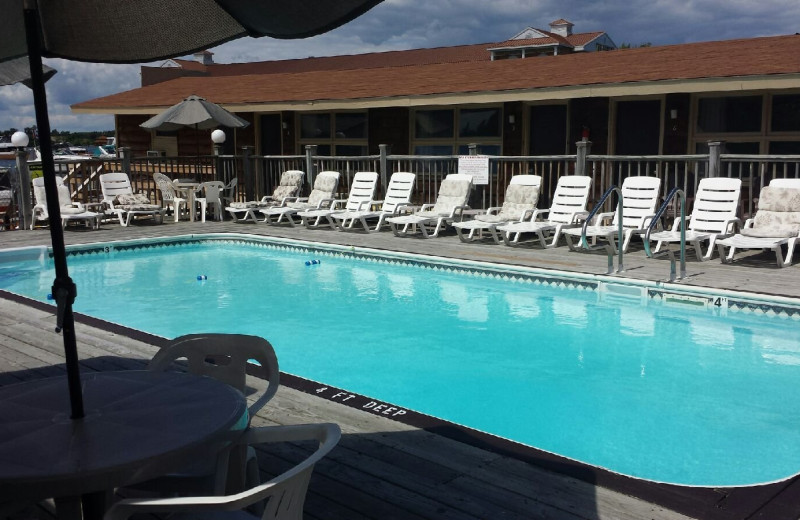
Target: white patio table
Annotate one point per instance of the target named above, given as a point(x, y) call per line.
point(188, 188)
point(138, 425)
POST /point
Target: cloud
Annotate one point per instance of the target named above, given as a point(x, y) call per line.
point(409, 24)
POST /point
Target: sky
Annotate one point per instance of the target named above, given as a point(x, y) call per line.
point(412, 24)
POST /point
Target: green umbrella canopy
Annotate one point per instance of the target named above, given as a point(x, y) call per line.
point(194, 112)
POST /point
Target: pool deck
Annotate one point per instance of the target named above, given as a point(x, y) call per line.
point(387, 469)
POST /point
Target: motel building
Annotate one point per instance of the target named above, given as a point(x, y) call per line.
point(535, 94)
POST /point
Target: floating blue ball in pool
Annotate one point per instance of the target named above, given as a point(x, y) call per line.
point(313, 262)
point(49, 296)
point(308, 262)
point(202, 277)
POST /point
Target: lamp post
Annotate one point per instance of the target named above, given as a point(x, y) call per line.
point(218, 138)
point(21, 140)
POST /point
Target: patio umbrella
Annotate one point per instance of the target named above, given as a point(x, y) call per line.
point(122, 31)
point(19, 71)
point(197, 113)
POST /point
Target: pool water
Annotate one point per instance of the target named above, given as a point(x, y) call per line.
point(669, 393)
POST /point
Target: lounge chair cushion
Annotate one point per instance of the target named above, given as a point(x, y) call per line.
point(127, 199)
point(281, 192)
point(292, 179)
point(72, 209)
point(452, 193)
point(778, 214)
point(519, 199)
point(245, 205)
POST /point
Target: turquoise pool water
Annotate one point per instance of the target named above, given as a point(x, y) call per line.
point(673, 393)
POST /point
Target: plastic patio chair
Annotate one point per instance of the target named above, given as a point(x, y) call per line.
point(118, 195)
point(451, 200)
point(288, 189)
point(568, 207)
point(282, 497)
point(70, 211)
point(362, 195)
point(321, 197)
point(396, 200)
point(225, 357)
point(212, 196)
point(639, 202)
point(520, 201)
point(168, 194)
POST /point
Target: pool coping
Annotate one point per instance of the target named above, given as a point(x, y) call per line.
point(704, 502)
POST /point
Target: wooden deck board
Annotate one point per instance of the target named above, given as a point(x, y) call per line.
point(382, 468)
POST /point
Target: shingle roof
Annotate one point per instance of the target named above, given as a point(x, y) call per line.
point(722, 59)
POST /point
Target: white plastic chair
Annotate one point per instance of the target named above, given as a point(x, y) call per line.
point(450, 202)
point(713, 216)
point(522, 195)
point(225, 357)
point(362, 195)
point(321, 197)
point(117, 185)
point(212, 191)
point(776, 224)
point(398, 197)
point(229, 192)
point(283, 497)
point(168, 194)
point(569, 206)
point(639, 201)
point(287, 190)
point(69, 210)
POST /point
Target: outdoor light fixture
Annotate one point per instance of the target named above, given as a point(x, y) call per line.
point(511, 119)
point(673, 114)
point(218, 136)
point(19, 139)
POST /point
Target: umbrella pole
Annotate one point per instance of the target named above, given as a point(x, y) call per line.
point(64, 290)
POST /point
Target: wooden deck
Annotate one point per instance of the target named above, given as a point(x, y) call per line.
point(384, 469)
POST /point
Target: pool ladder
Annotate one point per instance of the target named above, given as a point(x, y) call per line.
point(608, 246)
point(676, 192)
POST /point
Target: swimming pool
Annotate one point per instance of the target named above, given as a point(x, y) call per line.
point(671, 386)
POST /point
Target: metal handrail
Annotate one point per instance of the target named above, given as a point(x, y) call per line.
point(656, 219)
point(608, 247)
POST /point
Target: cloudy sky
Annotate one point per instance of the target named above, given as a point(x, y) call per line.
point(409, 24)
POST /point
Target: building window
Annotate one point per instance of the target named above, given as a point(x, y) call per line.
point(724, 115)
point(785, 113)
point(433, 124)
point(548, 130)
point(338, 133)
point(451, 131)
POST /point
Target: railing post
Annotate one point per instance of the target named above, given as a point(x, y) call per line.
point(311, 151)
point(24, 176)
point(584, 149)
point(249, 184)
point(125, 155)
point(714, 161)
point(473, 148)
point(218, 174)
point(385, 149)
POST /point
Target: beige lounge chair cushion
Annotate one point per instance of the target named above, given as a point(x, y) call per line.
point(72, 209)
point(292, 178)
point(135, 202)
point(778, 214)
point(452, 193)
point(281, 192)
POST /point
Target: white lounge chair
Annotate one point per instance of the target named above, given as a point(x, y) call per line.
point(639, 201)
point(569, 206)
point(776, 224)
point(398, 196)
point(168, 195)
point(70, 211)
point(522, 195)
point(288, 189)
point(283, 496)
point(321, 197)
point(362, 195)
point(118, 194)
point(713, 216)
point(450, 202)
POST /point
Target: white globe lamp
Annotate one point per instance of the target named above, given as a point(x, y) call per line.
point(19, 139)
point(218, 136)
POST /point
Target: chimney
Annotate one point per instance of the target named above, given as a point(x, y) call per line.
point(204, 57)
point(561, 27)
